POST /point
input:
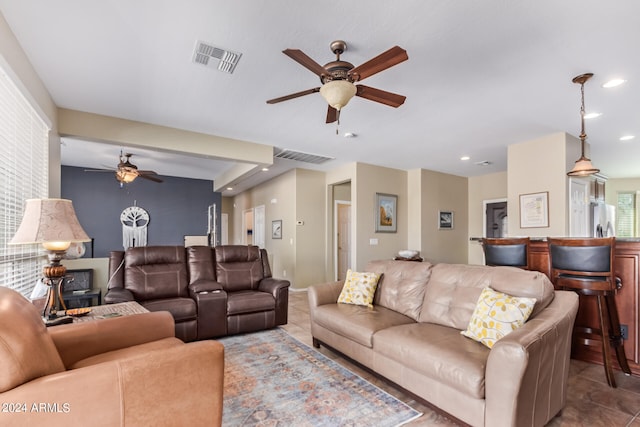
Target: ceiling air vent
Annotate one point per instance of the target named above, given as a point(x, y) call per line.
point(283, 153)
point(215, 57)
point(484, 163)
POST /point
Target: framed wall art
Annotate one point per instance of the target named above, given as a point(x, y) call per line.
point(276, 229)
point(445, 220)
point(386, 213)
point(534, 210)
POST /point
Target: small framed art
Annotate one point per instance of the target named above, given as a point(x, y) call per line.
point(445, 220)
point(534, 210)
point(385, 214)
point(276, 229)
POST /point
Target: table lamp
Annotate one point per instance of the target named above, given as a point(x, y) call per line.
point(54, 224)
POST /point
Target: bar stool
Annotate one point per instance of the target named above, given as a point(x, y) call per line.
point(586, 267)
point(513, 252)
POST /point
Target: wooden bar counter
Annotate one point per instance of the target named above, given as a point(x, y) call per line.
point(627, 268)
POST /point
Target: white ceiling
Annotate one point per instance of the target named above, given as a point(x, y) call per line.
point(481, 75)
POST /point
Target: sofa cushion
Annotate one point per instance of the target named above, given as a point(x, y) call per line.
point(357, 322)
point(437, 352)
point(180, 308)
point(359, 288)
point(453, 291)
point(402, 285)
point(133, 351)
point(249, 302)
point(238, 267)
point(496, 315)
point(153, 272)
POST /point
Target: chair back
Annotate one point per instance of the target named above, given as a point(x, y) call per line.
point(239, 267)
point(584, 262)
point(27, 350)
point(512, 252)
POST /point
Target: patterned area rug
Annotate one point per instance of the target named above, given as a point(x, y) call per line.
point(273, 379)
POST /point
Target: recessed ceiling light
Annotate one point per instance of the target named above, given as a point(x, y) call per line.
point(592, 115)
point(627, 137)
point(465, 158)
point(265, 169)
point(350, 135)
point(613, 83)
point(229, 188)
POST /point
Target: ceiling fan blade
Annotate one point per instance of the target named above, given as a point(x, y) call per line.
point(381, 96)
point(150, 175)
point(301, 58)
point(332, 114)
point(385, 60)
point(99, 170)
point(293, 95)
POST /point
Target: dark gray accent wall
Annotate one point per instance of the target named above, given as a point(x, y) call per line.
point(177, 207)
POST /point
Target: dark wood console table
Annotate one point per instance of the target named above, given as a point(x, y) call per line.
point(627, 268)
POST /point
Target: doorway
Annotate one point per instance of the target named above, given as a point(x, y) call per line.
point(247, 227)
point(495, 214)
point(343, 238)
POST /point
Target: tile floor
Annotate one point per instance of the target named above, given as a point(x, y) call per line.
point(590, 401)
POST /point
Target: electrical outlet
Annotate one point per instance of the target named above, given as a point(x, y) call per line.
point(624, 331)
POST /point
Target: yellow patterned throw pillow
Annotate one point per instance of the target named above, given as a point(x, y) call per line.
point(359, 288)
point(496, 315)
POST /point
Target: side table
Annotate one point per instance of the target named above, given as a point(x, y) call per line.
point(111, 310)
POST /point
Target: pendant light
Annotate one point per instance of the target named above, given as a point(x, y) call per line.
point(583, 166)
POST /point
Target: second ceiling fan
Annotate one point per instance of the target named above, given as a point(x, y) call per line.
point(339, 77)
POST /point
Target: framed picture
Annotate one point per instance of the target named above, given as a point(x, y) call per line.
point(534, 210)
point(445, 220)
point(77, 280)
point(276, 229)
point(385, 214)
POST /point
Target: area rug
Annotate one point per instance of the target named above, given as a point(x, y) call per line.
point(271, 378)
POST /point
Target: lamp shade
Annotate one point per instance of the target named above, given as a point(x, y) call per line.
point(583, 167)
point(49, 221)
point(338, 93)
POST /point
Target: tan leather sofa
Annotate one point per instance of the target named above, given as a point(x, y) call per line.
point(113, 372)
point(211, 292)
point(412, 337)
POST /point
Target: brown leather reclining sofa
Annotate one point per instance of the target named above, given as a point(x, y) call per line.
point(211, 292)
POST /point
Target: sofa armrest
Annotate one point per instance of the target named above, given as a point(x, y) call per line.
point(324, 293)
point(78, 341)
point(527, 371)
point(273, 286)
point(204, 285)
point(116, 295)
point(131, 391)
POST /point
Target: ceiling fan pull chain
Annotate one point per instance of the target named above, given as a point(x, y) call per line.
point(337, 122)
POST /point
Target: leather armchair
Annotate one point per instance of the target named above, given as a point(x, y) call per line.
point(110, 372)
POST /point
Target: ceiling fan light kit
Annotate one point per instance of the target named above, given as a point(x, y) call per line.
point(339, 77)
point(583, 166)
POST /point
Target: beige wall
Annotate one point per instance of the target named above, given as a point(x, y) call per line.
point(486, 187)
point(541, 165)
point(614, 186)
point(297, 195)
point(369, 181)
point(441, 192)
point(14, 61)
point(310, 228)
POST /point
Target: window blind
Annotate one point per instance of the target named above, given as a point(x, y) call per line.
point(24, 174)
point(626, 214)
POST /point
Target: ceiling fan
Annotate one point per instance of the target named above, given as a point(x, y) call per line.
point(127, 172)
point(339, 77)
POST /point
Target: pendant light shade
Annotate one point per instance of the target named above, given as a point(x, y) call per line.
point(583, 166)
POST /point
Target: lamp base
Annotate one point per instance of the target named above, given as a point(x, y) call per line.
point(58, 321)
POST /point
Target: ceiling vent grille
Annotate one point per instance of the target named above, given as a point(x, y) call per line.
point(283, 153)
point(215, 57)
